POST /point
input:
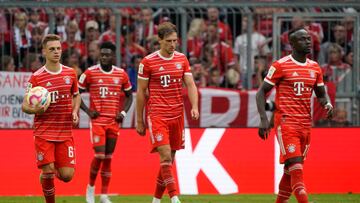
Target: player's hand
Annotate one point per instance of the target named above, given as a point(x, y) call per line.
point(75, 119)
point(93, 114)
point(194, 114)
point(140, 128)
point(264, 129)
point(330, 110)
point(119, 117)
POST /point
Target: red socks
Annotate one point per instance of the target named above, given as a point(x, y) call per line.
point(160, 186)
point(297, 183)
point(105, 174)
point(48, 187)
point(168, 178)
point(284, 187)
point(94, 168)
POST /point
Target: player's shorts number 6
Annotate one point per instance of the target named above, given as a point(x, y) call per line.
point(71, 151)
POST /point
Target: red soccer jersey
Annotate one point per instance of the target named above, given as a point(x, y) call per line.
point(165, 77)
point(56, 123)
point(105, 89)
point(294, 83)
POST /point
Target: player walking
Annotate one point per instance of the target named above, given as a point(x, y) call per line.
point(295, 77)
point(163, 73)
point(53, 136)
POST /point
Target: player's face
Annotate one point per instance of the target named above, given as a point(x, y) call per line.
point(302, 42)
point(52, 51)
point(106, 57)
point(169, 43)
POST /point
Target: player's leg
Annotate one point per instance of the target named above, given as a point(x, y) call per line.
point(111, 139)
point(65, 159)
point(45, 161)
point(291, 140)
point(98, 139)
point(284, 187)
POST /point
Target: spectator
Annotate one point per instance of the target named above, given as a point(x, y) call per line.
point(102, 18)
point(133, 69)
point(223, 29)
point(349, 57)
point(195, 37)
point(152, 44)
point(336, 70)
point(93, 56)
point(22, 36)
point(130, 48)
point(223, 57)
point(60, 21)
point(215, 79)
point(110, 34)
point(199, 74)
point(71, 58)
point(91, 32)
point(37, 35)
point(7, 63)
point(146, 29)
point(31, 62)
point(258, 46)
point(3, 22)
point(71, 41)
point(34, 20)
point(338, 37)
point(260, 64)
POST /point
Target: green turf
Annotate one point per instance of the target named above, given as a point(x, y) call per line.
point(323, 198)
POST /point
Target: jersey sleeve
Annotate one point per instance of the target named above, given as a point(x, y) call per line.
point(31, 83)
point(74, 88)
point(274, 74)
point(319, 77)
point(83, 80)
point(187, 68)
point(126, 84)
point(144, 70)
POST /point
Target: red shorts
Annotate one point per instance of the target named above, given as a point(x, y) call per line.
point(293, 141)
point(61, 153)
point(99, 133)
point(167, 131)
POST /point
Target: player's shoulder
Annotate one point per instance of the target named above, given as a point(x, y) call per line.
point(118, 69)
point(66, 70)
point(94, 67)
point(313, 64)
point(39, 71)
point(283, 60)
point(153, 55)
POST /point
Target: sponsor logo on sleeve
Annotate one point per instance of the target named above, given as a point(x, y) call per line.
point(141, 68)
point(271, 72)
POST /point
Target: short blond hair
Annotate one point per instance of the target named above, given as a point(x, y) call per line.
point(50, 37)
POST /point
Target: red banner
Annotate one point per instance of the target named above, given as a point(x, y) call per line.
point(215, 161)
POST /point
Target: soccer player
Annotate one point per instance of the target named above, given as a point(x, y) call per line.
point(105, 83)
point(162, 73)
point(295, 77)
point(54, 145)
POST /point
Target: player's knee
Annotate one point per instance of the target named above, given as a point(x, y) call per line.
point(66, 177)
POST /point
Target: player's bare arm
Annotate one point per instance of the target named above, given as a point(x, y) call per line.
point(76, 106)
point(30, 109)
point(140, 103)
point(193, 96)
point(86, 109)
point(323, 99)
point(264, 128)
point(128, 101)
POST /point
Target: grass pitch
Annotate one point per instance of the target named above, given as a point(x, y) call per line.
point(315, 198)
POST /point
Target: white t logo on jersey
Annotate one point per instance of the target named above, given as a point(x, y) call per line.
point(298, 88)
point(54, 95)
point(103, 92)
point(165, 80)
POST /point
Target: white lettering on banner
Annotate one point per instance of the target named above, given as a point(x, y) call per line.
point(190, 161)
point(218, 119)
